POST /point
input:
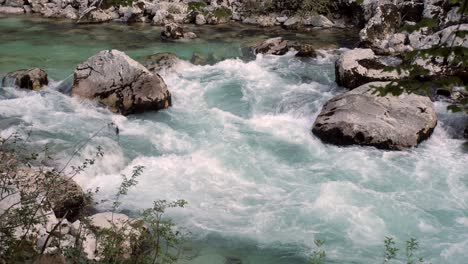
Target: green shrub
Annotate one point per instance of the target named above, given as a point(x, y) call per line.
point(222, 12)
point(196, 6)
point(152, 238)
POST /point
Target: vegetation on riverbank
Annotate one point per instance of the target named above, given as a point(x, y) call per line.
point(33, 229)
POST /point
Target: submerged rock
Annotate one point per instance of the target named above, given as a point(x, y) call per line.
point(32, 79)
point(160, 62)
point(279, 46)
point(362, 117)
point(359, 66)
point(122, 84)
point(273, 46)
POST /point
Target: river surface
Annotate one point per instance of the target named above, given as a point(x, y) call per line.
point(237, 146)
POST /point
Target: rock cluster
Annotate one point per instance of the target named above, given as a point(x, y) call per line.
point(162, 12)
point(391, 29)
point(279, 46)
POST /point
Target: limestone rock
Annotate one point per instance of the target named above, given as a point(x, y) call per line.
point(279, 46)
point(69, 12)
point(161, 62)
point(381, 26)
point(422, 39)
point(361, 117)
point(130, 14)
point(97, 16)
point(266, 21)
point(200, 19)
point(273, 46)
point(172, 31)
point(292, 23)
point(318, 21)
point(359, 66)
point(11, 10)
point(14, 3)
point(32, 79)
point(122, 84)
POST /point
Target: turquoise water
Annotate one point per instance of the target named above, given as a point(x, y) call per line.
point(237, 146)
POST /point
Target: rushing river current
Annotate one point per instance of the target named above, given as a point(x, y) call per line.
point(237, 145)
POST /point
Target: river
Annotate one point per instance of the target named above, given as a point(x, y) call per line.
point(237, 145)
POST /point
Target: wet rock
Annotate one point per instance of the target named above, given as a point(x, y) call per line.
point(362, 117)
point(190, 35)
point(11, 10)
point(200, 19)
point(175, 31)
point(160, 62)
point(122, 84)
point(466, 132)
point(292, 23)
point(96, 16)
point(273, 46)
point(172, 31)
point(359, 66)
point(318, 21)
point(279, 46)
point(32, 79)
point(303, 49)
point(198, 59)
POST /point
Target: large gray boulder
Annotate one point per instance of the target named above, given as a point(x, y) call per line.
point(360, 66)
point(362, 117)
point(122, 84)
point(32, 79)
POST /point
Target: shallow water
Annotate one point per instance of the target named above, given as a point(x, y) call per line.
point(237, 146)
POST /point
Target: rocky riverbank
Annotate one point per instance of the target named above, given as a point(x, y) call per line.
point(160, 13)
point(392, 31)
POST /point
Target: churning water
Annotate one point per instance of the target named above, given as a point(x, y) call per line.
point(237, 146)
